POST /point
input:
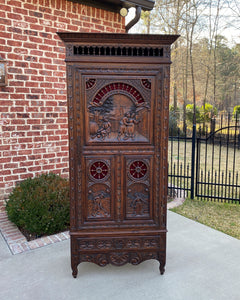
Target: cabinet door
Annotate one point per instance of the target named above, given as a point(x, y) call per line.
point(116, 117)
point(99, 193)
point(138, 188)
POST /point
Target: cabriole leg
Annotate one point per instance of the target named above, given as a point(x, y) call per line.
point(162, 268)
point(74, 272)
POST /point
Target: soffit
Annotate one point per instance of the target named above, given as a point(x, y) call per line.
point(116, 5)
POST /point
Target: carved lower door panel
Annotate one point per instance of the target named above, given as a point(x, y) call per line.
point(99, 190)
point(118, 96)
point(138, 187)
point(118, 206)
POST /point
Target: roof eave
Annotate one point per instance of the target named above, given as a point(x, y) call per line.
point(116, 5)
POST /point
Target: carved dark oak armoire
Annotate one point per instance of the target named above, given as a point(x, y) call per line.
point(118, 101)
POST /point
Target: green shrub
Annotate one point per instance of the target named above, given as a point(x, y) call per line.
point(40, 205)
point(208, 112)
point(236, 112)
point(190, 114)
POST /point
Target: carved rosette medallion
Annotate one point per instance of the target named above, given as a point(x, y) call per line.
point(99, 170)
point(138, 169)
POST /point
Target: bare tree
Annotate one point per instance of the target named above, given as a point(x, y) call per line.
point(196, 73)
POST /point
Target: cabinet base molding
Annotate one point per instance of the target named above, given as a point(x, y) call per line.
point(118, 251)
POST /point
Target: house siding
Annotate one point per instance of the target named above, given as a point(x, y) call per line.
point(33, 106)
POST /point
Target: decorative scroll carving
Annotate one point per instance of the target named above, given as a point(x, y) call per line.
point(103, 244)
point(86, 244)
point(120, 243)
point(120, 258)
point(116, 251)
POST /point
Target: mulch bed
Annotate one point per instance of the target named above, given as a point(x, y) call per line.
point(28, 235)
point(33, 236)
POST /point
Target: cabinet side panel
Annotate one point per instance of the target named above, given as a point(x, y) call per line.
point(72, 146)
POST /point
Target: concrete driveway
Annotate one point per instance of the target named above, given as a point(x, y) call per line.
point(202, 264)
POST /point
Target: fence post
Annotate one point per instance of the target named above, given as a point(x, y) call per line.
point(193, 160)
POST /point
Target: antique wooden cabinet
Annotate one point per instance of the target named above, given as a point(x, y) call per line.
point(118, 100)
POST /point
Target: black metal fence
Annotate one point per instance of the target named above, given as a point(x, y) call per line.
point(204, 161)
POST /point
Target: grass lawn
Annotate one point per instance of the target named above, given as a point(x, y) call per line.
point(214, 157)
point(224, 217)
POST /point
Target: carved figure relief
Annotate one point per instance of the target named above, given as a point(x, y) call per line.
point(127, 126)
point(118, 113)
point(138, 201)
point(98, 201)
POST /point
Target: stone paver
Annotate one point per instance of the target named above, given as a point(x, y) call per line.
point(176, 202)
point(17, 242)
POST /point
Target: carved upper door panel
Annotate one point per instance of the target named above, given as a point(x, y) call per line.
point(118, 110)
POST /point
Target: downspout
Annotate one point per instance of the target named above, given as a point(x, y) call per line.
point(135, 19)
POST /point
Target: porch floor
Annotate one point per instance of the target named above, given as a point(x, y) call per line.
point(202, 264)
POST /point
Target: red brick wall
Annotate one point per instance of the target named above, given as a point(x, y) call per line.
point(33, 125)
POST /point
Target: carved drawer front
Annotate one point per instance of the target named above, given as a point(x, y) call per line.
point(138, 185)
point(120, 244)
point(99, 198)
